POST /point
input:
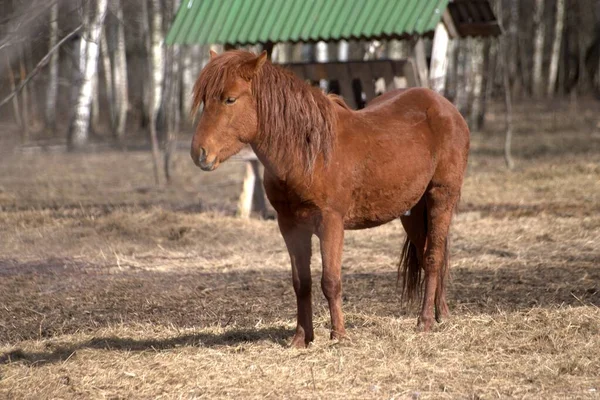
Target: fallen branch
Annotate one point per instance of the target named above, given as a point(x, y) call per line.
point(40, 65)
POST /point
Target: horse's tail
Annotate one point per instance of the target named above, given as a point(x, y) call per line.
point(410, 269)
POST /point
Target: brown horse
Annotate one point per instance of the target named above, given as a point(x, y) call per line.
point(330, 168)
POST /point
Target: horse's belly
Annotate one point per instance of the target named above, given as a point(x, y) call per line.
point(378, 207)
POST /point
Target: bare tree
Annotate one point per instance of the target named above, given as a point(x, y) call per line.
point(480, 59)
point(463, 74)
point(109, 82)
point(513, 39)
point(13, 88)
point(157, 68)
point(558, 34)
point(538, 48)
point(187, 79)
point(121, 90)
point(172, 107)
point(52, 88)
point(80, 122)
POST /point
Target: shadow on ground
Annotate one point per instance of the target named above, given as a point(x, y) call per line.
point(229, 338)
point(56, 297)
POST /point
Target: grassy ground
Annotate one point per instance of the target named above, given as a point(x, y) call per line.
point(111, 288)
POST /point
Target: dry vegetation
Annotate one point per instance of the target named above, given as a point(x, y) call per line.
point(114, 289)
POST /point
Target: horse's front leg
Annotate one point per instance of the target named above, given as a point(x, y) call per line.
point(297, 240)
point(331, 234)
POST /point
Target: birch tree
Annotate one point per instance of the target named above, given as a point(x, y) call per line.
point(172, 95)
point(121, 90)
point(478, 68)
point(109, 82)
point(187, 79)
point(52, 88)
point(558, 34)
point(80, 122)
point(538, 48)
point(157, 65)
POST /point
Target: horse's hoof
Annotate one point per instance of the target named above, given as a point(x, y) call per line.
point(299, 341)
point(442, 312)
point(339, 336)
point(424, 325)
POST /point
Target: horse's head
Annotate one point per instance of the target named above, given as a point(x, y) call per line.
point(228, 120)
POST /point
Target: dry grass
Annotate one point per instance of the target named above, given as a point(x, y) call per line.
point(114, 289)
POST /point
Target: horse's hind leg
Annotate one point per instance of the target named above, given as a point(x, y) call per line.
point(415, 225)
point(440, 201)
point(411, 263)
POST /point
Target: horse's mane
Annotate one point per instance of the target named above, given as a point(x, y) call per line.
point(338, 100)
point(297, 121)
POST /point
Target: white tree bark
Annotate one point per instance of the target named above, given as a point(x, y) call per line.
point(121, 89)
point(52, 88)
point(439, 59)
point(80, 122)
point(172, 96)
point(555, 57)
point(538, 48)
point(157, 69)
point(108, 76)
point(187, 80)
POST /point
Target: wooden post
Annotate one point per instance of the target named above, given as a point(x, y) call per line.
point(412, 77)
point(437, 73)
point(421, 62)
point(253, 196)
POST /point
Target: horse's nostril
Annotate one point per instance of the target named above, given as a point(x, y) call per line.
point(202, 154)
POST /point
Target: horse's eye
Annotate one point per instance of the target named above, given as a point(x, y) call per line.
point(230, 100)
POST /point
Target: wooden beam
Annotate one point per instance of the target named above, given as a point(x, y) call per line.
point(450, 26)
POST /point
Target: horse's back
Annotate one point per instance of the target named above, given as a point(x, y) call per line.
point(405, 106)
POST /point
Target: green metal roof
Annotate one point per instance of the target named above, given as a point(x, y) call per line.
point(258, 21)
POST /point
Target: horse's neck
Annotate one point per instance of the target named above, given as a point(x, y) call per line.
point(277, 167)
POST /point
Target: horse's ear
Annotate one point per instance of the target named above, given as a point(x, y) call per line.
point(213, 54)
point(251, 67)
point(260, 60)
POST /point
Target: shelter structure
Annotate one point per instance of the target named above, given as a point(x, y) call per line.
point(246, 22)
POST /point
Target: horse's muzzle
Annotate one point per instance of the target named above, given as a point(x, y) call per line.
point(201, 161)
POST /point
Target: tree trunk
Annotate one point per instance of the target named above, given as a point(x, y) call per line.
point(187, 80)
point(582, 80)
point(52, 88)
point(108, 77)
point(24, 100)
point(513, 40)
point(558, 34)
point(121, 90)
point(172, 96)
point(477, 96)
point(80, 122)
point(95, 114)
point(146, 36)
point(15, 99)
point(463, 84)
point(538, 49)
point(157, 65)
